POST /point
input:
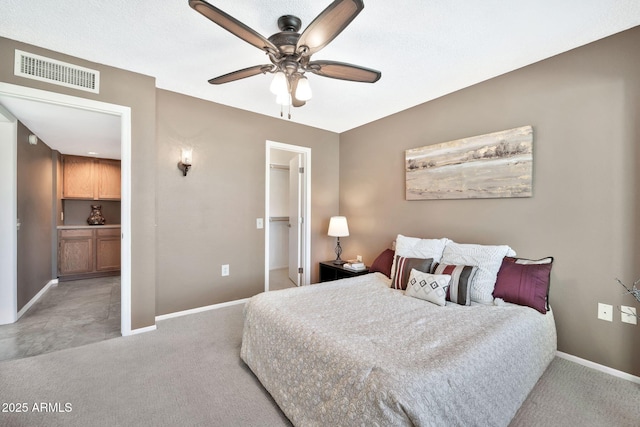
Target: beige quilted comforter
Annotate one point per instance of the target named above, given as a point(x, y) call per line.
point(354, 352)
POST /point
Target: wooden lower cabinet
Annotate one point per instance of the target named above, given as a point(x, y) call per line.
point(87, 252)
point(75, 254)
point(108, 249)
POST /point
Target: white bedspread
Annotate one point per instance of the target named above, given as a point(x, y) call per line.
point(354, 352)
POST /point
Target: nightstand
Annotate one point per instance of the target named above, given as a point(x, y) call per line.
point(330, 271)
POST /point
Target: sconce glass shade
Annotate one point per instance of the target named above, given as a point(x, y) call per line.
point(187, 156)
point(185, 161)
point(303, 91)
point(338, 226)
point(279, 85)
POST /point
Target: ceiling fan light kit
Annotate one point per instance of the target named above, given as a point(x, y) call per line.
point(290, 52)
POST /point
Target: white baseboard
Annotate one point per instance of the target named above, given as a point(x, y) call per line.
point(598, 367)
point(201, 309)
point(35, 299)
point(142, 330)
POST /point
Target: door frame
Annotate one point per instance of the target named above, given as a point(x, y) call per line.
point(8, 225)
point(306, 208)
point(8, 218)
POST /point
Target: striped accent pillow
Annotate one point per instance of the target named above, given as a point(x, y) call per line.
point(404, 267)
point(462, 277)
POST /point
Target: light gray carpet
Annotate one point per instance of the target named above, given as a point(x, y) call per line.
point(189, 373)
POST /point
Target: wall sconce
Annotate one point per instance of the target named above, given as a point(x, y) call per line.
point(185, 161)
point(33, 140)
point(338, 228)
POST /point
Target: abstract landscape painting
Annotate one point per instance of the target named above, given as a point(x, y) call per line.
point(494, 165)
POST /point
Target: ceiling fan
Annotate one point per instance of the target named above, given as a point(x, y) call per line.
point(290, 51)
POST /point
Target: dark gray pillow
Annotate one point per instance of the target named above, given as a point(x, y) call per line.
point(403, 270)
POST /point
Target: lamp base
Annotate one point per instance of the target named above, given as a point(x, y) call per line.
point(338, 261)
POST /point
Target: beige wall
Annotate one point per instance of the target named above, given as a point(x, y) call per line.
point(583, 106)
point(208, 218)
point(138, 92)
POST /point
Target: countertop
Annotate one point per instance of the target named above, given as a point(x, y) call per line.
point(75, 227)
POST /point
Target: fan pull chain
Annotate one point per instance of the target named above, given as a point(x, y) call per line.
point(289, 111)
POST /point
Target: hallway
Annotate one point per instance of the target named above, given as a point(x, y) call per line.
point(70, 314)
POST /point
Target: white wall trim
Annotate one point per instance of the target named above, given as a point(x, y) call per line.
point(201, 309)
point(598, 367)
point(306, 152)
point(8, 217)
point(141, 330)
point(124, 112)
point(35, 299)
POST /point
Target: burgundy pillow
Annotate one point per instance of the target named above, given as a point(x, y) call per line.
point(525, 282)
point(383, 263)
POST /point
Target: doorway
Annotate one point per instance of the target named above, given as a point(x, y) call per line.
point(287, 212)
point(8, 281)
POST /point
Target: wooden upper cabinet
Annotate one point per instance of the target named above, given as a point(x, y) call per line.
point(108, 179)
point(89, 178)
point(77, 178)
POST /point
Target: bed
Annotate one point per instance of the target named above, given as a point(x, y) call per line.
point(357, 352)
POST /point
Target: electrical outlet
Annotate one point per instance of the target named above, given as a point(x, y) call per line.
point(225, 269)
point(605, 312)
point(628, 315)
point(259, 223)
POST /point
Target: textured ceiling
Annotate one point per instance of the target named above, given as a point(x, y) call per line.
point(424, 49)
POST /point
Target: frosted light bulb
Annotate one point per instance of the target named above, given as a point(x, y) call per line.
point(303, 91)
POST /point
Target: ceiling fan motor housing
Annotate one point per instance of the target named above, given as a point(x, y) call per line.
point(287, 39)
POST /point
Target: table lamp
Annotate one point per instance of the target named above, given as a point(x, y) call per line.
point(338, 228)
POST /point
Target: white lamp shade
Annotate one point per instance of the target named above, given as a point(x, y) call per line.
point(338, 226)
point(303, 90)
point(279, 85)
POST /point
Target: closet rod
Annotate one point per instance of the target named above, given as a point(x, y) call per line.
point(283, 167)
point(279, 218)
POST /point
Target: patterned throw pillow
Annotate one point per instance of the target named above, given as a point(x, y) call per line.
point(525, 282)
point(404, 267)
point(462, 277)
point(428, 287)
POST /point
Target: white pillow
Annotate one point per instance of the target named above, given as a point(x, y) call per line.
point(413, 247)
point(488, 259)
point(429, 287)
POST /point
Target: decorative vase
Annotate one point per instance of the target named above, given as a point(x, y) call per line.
point(96, 217)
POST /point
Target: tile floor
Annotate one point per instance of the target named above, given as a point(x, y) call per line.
point(70, 314)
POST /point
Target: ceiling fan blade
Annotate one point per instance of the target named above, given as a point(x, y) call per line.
point(328, 25)
point(232, 25)
point(294, 86)
point(241, 74)
point(344, 71)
